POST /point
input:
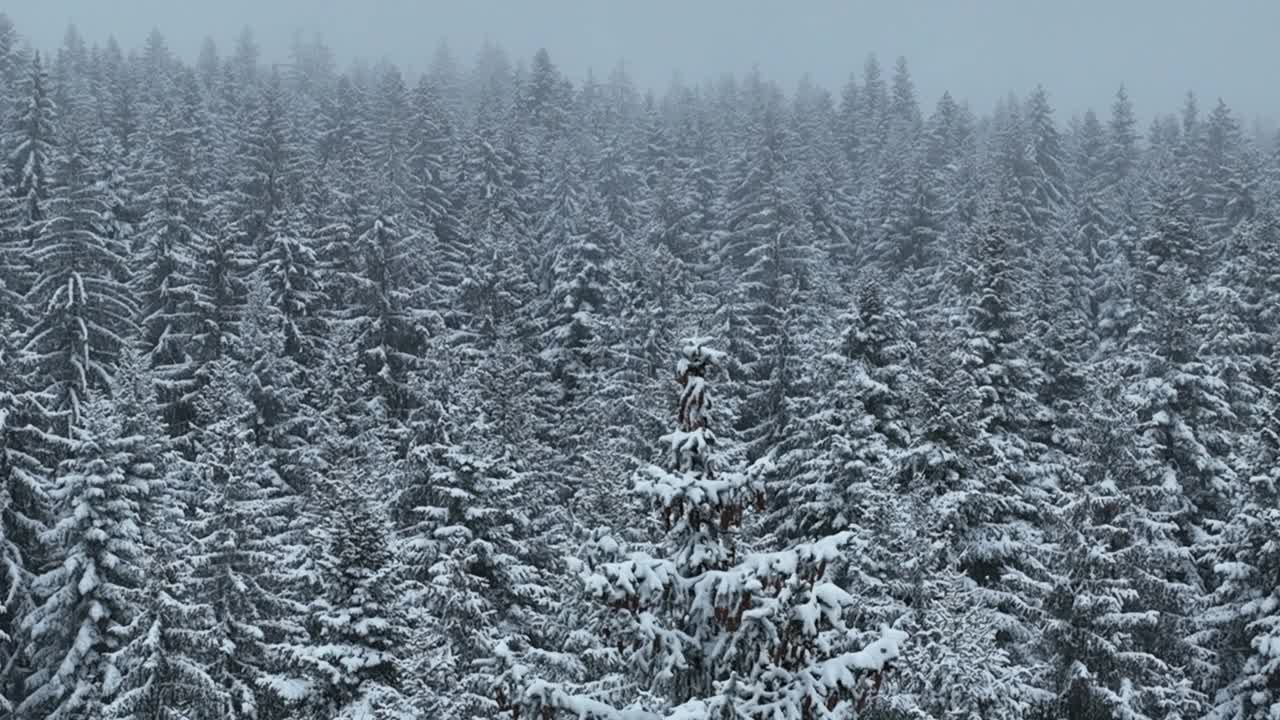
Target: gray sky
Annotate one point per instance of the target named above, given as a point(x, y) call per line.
point(1081, 50)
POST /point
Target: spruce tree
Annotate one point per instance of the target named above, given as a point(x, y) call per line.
point(579, 301)
point(356, 627)
point(712, 627)
point(849, 452)
point(1241, 619)
point(388, 311)
point(290, 270)
point(86, 309)
point(1097, 619)
point(88, 600)
point(30, 142)
point(469, 547)
point(24, 515)
point(165, 664)
point(167, 291)
point(237, 555)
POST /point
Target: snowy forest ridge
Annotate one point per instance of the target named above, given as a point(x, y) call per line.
point(349, 395)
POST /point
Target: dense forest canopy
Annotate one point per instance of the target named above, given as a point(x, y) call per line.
point(352, 394)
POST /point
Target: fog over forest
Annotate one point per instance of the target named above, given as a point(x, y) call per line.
point(981, 51)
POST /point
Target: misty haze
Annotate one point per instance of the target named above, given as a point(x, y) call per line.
point(581, 360)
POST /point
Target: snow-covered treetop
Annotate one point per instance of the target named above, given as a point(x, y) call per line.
point(697, 356)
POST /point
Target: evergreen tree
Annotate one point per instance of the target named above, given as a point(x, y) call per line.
point(579, 303)
point(1006, 487)
point(165, 675)
point(238, 559)
point(1122, 146)
point(218, 284)
point(24, 516)
point(1097, 620)
point(433, 184)
point(88, 600)
point(1094, 220)
point(87, 311)
point(468, 546)
point(356, 627)
point(168, 296)
point(290, 270)
point(264, 161)
point(30, 143)
point(387, 311)
point(847, 454)
point(1242, 621)
point(1049, 179)
point(707, 630)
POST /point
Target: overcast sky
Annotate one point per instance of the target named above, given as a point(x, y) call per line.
point(1080, 50)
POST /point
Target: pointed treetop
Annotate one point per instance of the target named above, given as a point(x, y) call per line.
point(697, 357)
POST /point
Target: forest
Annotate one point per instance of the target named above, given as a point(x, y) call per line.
point(481, 392)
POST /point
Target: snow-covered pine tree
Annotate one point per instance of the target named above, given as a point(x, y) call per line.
point(1225, 197)
point(1236, 326)
point(470, 544)
point(79, 288)
point(1183, 442)
point(851, 449)
point(1173, 242)
point(1093, 220)
point(275, 386)
point(944, 409)
point(263, 164)
point(291, 271)
point(1177, 473)
point(618, 181)
point(1096, 618)
point(240, 551)
point(490, 183)
point(1122, 154)
point(168, 296)
point(88, 600)
point(541, 111)
point(871, 123)
point(1241, 620)
point(10, 61)
point(714, 628)
point(29, 140)
point(1003, 551)
point(692, 210)
point(389, 180)
point(24, 514)
point(955, 668)
point(1050, 192)
point(163, 662)
point(356, 624)
point(1059, 350)
point(578, 306)
point(561, 196)
point(935, 188)
point(432, 190)
point(165, 665)
point(218, 284)
point(1249, 598)
point(828, 205)
point(759, 210)
point(388, 311)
